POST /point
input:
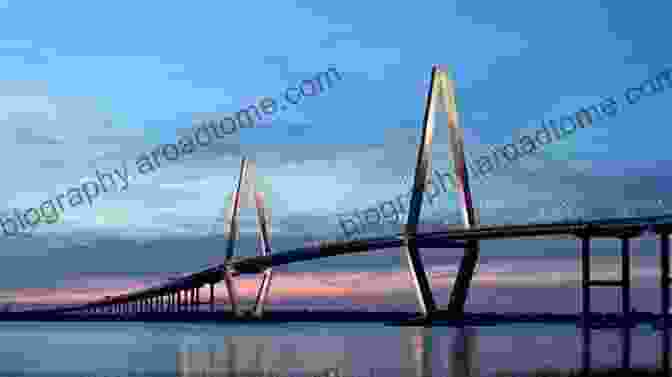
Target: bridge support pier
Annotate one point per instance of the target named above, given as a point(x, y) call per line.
point(192, 298)
point(665, 295)
point(212, 297)
point(171, 302)
point(665, 276)
point(264, 248)
point(198, 298)
point(187, 303)
point(233, 295)
point(585, 310)
point(623, 283)
point(625, 275)
point(585, 278)
point(465, 275)
point(262, 294)
point(422, 289)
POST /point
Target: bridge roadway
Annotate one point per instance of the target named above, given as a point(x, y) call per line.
point(608, 228)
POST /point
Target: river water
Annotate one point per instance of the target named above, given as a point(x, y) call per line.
point(178, 349)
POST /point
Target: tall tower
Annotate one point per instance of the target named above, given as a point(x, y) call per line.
point(441, 97)
point(247, 196)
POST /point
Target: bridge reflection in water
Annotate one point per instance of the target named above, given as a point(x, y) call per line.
point(420, 355)
point(256, 356)
point(249, 355)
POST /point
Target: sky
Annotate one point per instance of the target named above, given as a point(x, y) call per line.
point(91, 87)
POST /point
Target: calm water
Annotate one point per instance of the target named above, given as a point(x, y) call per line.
point(134, 349)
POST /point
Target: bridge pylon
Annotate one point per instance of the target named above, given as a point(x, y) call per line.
point(441, 94)
point(246, 195)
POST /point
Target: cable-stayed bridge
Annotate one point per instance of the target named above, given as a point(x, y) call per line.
point(618, 228)
point(180, 298)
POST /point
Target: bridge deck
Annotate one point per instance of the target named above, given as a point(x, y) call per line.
point(607, 228)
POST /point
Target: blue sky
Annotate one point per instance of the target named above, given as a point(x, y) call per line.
point(85, 86)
